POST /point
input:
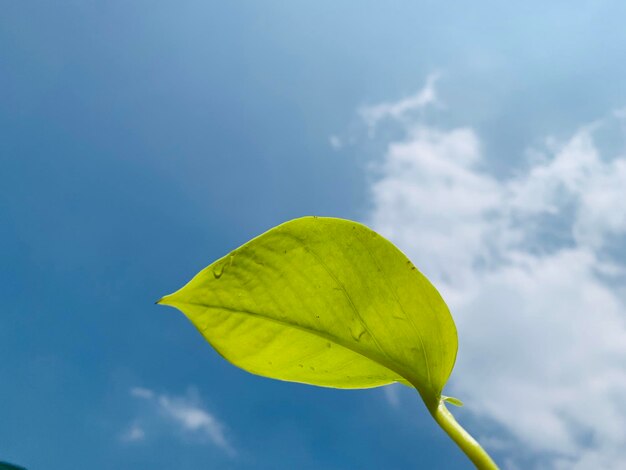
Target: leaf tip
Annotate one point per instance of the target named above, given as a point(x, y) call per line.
point(165, 300)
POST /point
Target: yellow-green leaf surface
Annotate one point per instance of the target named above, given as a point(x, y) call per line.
point(326, 302)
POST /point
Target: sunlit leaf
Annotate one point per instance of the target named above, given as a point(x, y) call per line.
point(326, 302)
point(452, 400)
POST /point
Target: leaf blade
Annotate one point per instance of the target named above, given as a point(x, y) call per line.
point(287, 294)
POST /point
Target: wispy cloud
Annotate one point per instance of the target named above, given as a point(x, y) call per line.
point(531, 266)
point(140, 392)
point(186, 412)
point(335, 142)
point(392, 395)
point(402, 109)
point(133, 433)
point(192, 418)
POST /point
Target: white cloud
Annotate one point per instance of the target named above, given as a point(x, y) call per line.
point(525, 264)
point(193, 418)
point(134, 433)
point(392, 395)
point(140, 392)
point(335, 142)
point(186, 412)
point(402, 109)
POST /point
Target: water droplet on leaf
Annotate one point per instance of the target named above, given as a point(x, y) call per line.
point(399, 315)
point(218, 271)
point(357, 330)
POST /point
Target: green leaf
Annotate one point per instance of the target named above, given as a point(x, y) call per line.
point(326, 302)
point(329, 302)
point(452, 400)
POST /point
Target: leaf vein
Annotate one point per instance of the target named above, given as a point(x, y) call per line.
point(303, 328)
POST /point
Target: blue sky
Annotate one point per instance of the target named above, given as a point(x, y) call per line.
point(140, 141)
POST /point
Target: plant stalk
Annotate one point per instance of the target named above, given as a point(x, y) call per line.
point(463, 439)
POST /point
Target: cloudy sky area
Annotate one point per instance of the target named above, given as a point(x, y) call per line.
point(139, 142)
point(528, 265)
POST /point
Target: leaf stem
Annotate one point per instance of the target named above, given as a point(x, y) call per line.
point(463, 439)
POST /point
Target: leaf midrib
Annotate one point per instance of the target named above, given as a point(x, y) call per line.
point(296, 326)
